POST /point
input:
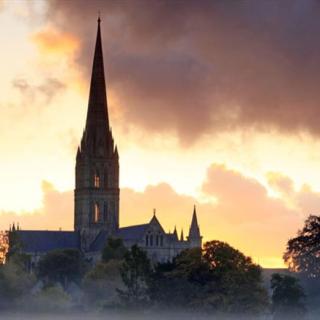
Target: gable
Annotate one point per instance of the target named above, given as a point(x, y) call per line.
point(155, 226)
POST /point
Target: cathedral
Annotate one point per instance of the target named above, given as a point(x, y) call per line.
point(97, 193)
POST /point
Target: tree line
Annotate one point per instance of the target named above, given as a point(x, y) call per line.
point(216, 279)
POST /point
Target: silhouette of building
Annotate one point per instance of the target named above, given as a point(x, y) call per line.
point(96, 194)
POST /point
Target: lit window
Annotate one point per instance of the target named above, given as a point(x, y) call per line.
point(96, 181)
point(96, 213)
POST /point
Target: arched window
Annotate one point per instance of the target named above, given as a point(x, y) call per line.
point(147, 240)
point(161, 240)
point(105, 178)
point(157, 240)
point(96, 180)
point(105, 211)
point(151, 240)
point(96, 213)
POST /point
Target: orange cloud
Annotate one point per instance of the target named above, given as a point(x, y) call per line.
point(243, 215)
point(56, 43)
point(56, 212)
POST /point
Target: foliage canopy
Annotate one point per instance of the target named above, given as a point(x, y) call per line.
point(303, 252)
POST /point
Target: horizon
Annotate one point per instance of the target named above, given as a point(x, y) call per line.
point(204, 113)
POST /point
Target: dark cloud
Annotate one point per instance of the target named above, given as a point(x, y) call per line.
point(200, 66)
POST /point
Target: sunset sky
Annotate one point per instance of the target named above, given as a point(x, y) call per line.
point(213, 103)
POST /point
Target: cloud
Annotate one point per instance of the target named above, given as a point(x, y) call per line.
point(56, 212)
point(52, 42)
point(243, 215)
point(201, 66)
point(48, 89)
point(2, 5)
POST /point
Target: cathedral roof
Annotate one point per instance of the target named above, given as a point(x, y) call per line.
point(126, 233)
point(133, 232)
point(44, 241)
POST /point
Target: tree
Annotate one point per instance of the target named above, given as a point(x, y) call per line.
point(236, 282)
point(4, 246)
point(15, 282)
point(114, 250)
point(135, 273)
point(287, 297)
point(101, 284)
point(61, 266)
point(179, 284)
point(303, 252)
point(217, 279)
point(51, 299)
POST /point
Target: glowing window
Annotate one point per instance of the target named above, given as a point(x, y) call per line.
point(96, 213)
point(96, 181)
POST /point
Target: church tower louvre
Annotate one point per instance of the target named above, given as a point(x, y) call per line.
point(97, 163)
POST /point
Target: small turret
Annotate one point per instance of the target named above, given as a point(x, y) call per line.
point(194, 237)
point(175, 233)
point(116, 154)
point(181, 236)
point(78, 153)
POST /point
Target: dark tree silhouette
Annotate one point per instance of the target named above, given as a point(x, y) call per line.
point(102, 282)
point(15, 282)
point(218, 279)
point(114, 250)
point(287, 297)
point(61, 266)
point(180, 283)
point(135, 273)
point(303, 252)
point(237, 281)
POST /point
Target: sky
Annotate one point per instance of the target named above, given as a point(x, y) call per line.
point(211, 103)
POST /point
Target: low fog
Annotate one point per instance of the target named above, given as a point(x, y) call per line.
point(140, 316)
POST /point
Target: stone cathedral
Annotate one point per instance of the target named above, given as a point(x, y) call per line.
point(96, 194)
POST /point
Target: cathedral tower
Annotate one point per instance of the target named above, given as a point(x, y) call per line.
point(97, 163)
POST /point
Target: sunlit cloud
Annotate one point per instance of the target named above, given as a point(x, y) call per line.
point(54, 43)
point(244, 215)
point(182, 95)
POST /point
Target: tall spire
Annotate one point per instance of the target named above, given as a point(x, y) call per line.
point(98, 107)
point(194, 228)
point(97, 163)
